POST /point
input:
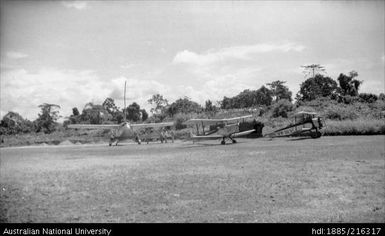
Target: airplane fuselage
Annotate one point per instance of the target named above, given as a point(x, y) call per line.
point(228, 129)
point(123, 132)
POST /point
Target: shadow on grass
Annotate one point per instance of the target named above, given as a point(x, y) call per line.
point(298, 139)
point(195, 145)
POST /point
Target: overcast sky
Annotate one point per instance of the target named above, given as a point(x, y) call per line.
point(71, 53)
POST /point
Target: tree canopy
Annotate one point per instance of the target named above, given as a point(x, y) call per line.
point(313, 70)
point(46, 120)
point(279, 90)
point(94, 114)
point(134, 113)
point(349, 85)
point(183, 105)
point(14, 123)
point(317, 86)
point(159, 102)
point(248, 98)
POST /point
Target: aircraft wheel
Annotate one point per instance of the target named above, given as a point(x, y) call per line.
point(223, 142)
point(110, 144)
point(316, 134)
point(234, 141)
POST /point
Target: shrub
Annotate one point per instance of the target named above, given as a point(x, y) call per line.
point(179, 119)
point(338, 112)
point(368, 97)
point(355, 127)
point(282, 108)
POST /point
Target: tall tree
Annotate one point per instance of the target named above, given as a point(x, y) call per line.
point(144, 114)
point(13, 123)
point(313, 70)
point(95, 114)
point(159, 102)
point(349, 85)
point(75, 117)
point(134, 113)
point(75, 111)
point(318, 86)
point(248, 98)
point(113, 110)
point(184, 105)
point(279, 90)
point(46, 120)
point(209, 107)
point(109, 106)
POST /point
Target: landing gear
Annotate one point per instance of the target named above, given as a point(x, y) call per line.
point(223, 142)
point(316, 134)
point(112, 139)
point(137, 139)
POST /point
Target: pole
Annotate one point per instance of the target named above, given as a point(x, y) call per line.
point(125, 82)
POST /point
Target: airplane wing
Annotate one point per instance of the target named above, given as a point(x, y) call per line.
point(215, 121)
point(87, 126)
point(243, 133)
point(206, 137)
point(152, 125)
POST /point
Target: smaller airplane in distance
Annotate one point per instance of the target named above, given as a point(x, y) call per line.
point(225, 129)
point(124, 130)
point(305, 123)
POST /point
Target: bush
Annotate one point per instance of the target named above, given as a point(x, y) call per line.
point(179, 119)
point(282, 108)
point(338, 112)
point(368, 97)
point(317, 104)
point(355, 127)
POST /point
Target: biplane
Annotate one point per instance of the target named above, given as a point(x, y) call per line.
point(125, 130)
point(212, 129)
point(305, 123)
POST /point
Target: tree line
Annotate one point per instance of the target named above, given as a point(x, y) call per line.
point(275, 95)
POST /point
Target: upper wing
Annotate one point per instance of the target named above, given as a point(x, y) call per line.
point(237, 119)
point(152, 125)
point(87, 126)
point(216, 121)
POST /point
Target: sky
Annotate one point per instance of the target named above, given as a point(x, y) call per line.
point(74, 52)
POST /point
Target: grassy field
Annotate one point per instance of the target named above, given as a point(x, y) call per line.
point(331, 179)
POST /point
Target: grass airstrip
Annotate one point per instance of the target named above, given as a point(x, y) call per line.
point(331, 179)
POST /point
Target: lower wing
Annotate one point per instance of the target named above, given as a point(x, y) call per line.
point(242, 133)
point(86, 126)
point(207, 137)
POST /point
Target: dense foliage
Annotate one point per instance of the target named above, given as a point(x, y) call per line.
point(317, 86)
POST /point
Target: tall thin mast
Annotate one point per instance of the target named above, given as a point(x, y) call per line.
point(125, 82)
